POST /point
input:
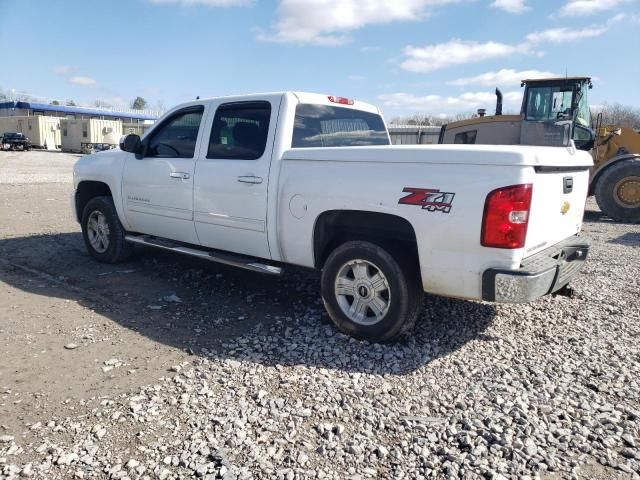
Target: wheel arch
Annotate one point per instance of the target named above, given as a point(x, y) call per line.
point(334, 227)
point(88, 189)
point(597, 174)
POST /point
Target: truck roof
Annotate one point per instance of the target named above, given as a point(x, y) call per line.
point(554, 79)
point(302, 97)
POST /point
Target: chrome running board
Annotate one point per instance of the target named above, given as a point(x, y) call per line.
point(224, 258)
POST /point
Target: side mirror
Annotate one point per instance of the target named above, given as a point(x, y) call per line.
point(131, 143)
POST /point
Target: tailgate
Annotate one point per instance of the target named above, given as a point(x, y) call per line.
point(557, 205)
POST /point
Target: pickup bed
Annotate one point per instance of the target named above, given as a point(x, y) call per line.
point(261, 181)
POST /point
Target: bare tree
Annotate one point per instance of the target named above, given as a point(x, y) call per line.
point(160, 106)
point(426, 119)
point(423, 119)
point(620, 115)
point(102, 104)
point(24, 97)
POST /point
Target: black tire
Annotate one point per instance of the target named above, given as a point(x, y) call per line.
point(607, 191)
point(118, 249)
point(405, 295)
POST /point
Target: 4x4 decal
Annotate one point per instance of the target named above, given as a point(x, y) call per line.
point(430, 199)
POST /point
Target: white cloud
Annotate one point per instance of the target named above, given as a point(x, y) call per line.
point(589, 7)
point(64, 69)
point(327, 22)
point(505, 76)
point(447, 104)
point(206, 3)
point(462, 52)
point(511, 6)
point(82, 81)
point(456, 52)
point(561, 35)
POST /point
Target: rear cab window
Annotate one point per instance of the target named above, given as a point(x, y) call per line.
point(328, 126)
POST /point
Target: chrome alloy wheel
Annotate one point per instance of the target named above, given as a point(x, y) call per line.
point(98, 231)
point(362, 292)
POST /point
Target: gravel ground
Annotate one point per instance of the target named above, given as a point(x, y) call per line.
point(37, 166)
point(167, 368)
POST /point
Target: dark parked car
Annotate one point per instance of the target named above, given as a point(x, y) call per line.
point(15, 141)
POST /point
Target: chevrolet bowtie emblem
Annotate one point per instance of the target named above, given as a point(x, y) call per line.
point(565, 208)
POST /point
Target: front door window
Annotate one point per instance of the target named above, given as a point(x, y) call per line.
point(176, 137)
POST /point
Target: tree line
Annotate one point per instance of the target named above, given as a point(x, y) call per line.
point(612, 114)
point(139, 103)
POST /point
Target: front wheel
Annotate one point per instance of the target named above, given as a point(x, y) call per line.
point(368, 294)
point(618, 191)
point(103, 233)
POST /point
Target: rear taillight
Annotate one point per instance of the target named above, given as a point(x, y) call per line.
point(340, 100)
point(506, 217)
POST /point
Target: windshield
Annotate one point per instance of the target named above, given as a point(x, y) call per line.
point(326, 126)
point(13, 135)
point(549, 103)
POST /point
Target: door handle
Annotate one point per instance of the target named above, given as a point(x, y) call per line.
point(250, 179)
point(183, 175)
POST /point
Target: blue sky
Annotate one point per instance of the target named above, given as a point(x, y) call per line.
point(408, 56)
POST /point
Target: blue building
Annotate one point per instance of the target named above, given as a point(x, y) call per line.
point(41, 121)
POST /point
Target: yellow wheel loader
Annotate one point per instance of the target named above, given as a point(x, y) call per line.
point(554, 112)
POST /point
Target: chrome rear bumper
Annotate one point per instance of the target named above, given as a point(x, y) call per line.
point(543, 273)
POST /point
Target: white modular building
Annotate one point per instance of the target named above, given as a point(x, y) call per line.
point(42, 132)
point(84, 135)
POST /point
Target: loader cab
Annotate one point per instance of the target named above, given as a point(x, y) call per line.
point(557, 99)
point(554, 111)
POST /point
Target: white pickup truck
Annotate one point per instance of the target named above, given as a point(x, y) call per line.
point(261, 181)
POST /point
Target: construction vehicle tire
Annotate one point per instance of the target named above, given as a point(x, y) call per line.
point(618, 191)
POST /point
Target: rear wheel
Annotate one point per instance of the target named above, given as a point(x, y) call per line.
point(103, 233)
point(368, 294)
point(618, 191)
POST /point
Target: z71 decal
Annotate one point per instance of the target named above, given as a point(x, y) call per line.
point(429, 199)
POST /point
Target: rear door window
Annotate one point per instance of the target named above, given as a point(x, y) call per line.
point(327, 126)
point(240, 131)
